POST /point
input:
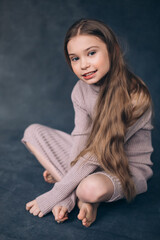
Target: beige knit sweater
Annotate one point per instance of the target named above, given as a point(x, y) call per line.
point(61, 148)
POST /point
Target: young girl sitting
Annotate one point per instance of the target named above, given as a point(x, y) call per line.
point(107, 155)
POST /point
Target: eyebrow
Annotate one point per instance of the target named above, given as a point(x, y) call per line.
point(84, 50)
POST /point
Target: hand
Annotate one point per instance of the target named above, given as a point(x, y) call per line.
point(33, 208)
point(60, 213)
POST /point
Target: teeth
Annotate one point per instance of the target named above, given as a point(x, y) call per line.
point(89, 73)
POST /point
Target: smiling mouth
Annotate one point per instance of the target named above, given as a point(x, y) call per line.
point(89, 73)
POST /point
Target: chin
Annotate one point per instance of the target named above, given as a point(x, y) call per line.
point(89, 82)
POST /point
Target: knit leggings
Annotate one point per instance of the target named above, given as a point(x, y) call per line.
point(54, 147)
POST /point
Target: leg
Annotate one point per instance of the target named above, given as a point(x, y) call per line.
point(87, 213)
point(32, 206)
point(46, 164)
point(91, 191)
point(95, 188)
point(51, 147)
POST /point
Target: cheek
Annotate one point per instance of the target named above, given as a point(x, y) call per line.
point(105, 63)
point(100, 60)
point(75, 69)
point(106, 66)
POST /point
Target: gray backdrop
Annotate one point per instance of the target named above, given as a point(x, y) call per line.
point(35, 81)
point(35, 86)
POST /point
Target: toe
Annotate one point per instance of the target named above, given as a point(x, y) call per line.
point(86, 223)
point(84, 220)
point(45, 173)
point(82, 214)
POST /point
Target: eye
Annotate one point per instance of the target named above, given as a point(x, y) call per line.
point(91, 53)
point(74, 59)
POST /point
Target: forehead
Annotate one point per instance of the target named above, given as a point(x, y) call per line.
point(82, 42)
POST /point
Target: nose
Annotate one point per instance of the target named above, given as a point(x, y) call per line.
point(84, 63)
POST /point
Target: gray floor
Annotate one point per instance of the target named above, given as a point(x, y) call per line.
point(21, 181)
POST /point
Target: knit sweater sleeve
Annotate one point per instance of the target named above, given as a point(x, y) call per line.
point(62, 191)
point(66, 186)
point(82, 122)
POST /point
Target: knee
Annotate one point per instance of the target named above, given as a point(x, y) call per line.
point(91, 190)
point(31, 130)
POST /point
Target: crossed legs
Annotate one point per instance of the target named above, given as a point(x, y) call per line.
point(90, 192)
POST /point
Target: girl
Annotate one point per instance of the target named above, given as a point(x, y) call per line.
point(107, 156)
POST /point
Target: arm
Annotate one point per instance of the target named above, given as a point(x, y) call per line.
point(67, 185)
point(63, 192)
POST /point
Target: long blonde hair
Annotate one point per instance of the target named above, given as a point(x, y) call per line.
point(123, 98)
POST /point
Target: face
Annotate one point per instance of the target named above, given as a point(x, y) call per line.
point(89, 58)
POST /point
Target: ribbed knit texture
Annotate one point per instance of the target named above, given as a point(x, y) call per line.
point(61, 148)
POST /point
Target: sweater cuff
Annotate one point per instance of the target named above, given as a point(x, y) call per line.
point(69, 202)
point(45, 202)
point(46, 205)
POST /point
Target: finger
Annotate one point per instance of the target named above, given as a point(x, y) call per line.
point(56, 212)
point(36, 212)
point(62, 212)
point(32, 209)
point(63, 219)
point(40, 214)
point(29, 205)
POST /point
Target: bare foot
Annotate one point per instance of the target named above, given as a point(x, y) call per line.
point(48, 177)
point(60, 213)
point(87, 213)
point(33, 208)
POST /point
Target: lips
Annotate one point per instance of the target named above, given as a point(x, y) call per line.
point(89, 73)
